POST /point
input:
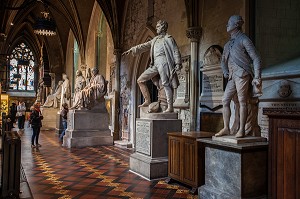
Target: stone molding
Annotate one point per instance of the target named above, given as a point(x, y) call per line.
point(282, 111)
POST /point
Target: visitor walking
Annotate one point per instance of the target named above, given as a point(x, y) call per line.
point(36, 123)
point(21, 108)
point(12, 113)
point(64, 115)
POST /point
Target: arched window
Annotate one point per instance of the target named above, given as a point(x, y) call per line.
point(21, 68)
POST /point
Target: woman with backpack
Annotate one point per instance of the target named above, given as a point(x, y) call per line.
point(64, 115)
point(36, 123)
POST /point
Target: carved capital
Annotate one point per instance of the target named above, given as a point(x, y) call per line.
point(194, 33)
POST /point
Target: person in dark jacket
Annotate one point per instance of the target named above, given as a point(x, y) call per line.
point(36, 123)
point(13, 112)
point(64, 115)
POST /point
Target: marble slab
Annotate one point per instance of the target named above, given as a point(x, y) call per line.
point(145, 115)
point(234, 140)
point(234, 174)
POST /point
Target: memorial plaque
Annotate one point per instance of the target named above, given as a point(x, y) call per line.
point(182, 92)
point(143, 137)
point(182, 87)
point(212, 83)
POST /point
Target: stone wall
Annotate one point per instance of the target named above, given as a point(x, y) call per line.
point(277, 31)
point(215, 17)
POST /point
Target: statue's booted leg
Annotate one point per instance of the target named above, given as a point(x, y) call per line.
point(145, 93)
point(145, 76)
point(169, 95)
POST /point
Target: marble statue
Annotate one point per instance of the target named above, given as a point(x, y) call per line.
point(165, 61)
point(92, 92)
point(66, 90)
point(54, 99)
point(88, 76)
point(52, 75)
point(236, 61)
point(79, 85)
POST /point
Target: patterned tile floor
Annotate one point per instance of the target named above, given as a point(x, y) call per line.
point(93, 172)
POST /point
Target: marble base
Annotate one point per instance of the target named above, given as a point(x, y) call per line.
point(150, 168)
point(234, 171)
point(151, 157)
point(123, 144)
point(49, 120)
point(87, 128)
point(234, 140)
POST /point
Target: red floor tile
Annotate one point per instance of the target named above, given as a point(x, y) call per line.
point(92, 172)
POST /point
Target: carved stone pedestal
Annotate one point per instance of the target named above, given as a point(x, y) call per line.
point(88, 128)
point(49, 121)
point(234, 171)
point(151, 157)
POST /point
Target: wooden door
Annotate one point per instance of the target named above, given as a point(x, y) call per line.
point(189, 167)
point(174, 158)
point(287, 161)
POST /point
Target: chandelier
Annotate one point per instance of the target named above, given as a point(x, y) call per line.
point(45, 26)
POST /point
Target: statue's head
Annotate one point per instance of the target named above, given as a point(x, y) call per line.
point(235, 22)
point(64, 76)
point(95, 71)
point(161, 27)
point(78, 73)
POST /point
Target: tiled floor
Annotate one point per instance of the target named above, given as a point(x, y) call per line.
point(93, 172)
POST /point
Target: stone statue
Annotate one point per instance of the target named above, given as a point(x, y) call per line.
point(54, 99)
point(238, 54)
point(165, 60)
point(93, 92)
point(66, 90)
point(88, 76)
point(52, 75)
point(79, 85)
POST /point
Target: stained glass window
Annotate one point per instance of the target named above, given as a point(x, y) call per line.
point(21, 73)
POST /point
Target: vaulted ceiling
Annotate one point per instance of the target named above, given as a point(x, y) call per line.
point(17, 18)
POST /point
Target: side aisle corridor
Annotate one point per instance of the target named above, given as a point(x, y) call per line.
point(93, 172)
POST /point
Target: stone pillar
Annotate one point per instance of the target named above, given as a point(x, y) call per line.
point(194, 34)
point(118, 54)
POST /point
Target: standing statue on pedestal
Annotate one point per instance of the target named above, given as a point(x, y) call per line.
point(93, 92)
point(54, 99)
point(79, 85)
point(66, 90)
point(165, 60)
point(238, 54)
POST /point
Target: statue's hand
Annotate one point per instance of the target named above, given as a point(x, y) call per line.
point(126, 52)
point(178, 67)
point(256, 81)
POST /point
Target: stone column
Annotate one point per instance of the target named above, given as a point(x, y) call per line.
point(118, 54)
point(194, 34)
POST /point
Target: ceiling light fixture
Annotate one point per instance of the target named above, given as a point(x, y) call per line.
point(45, 26)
